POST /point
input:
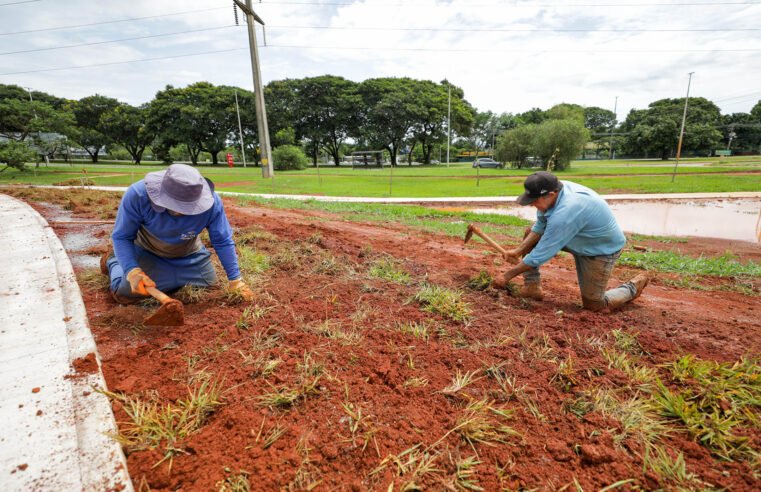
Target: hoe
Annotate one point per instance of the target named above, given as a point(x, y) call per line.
point(170, 313)
point(478, 232)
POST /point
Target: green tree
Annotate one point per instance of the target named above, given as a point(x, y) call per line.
point(560, 141)
point(388, 113)
point(655, 131)
point(127, 126)
point(566, 111)
point(516, 145)
point(201, 116)
point(87, 131)
point(532, 116)
point(744, 130)
point(15, 154)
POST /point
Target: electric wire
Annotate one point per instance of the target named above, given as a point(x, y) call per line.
point(526, 5)
point(510, 29)
point(185, 55)
point(115, 40)
point(16, 3)
point(115, 21)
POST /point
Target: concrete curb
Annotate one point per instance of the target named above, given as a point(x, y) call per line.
point(55, 422)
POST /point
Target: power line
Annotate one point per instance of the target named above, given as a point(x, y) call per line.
point(123, 62)
point(115, 40)
point(128, 19)
point(373, 49)
point(738, 96)
point(529, 29)
point(532, 5)
point(16, 3)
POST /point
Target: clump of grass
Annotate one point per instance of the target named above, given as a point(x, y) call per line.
point(272, 435)
point(252, 236)
point(192, 294)
point(418, 330)
point(443, 301)
point(719, 398)
point(639, 417)
point(480, 423)
point(482, 281)
point(461, 381)
point(456, 339)
point(92, 278)
point(659, 239)
point(626, 341)
point(285, 397)
point(725, 265)
point(153, 422)
point(388, 269)
point(327, 264)
point(565, 374)
point(251, 262)
point(629, 365)
point(415, 382)
point(361, 426)
point(266, 340)
point(307, 475)
point(263, 366)
point(414, 465)
point(309, 367)
point(465, 475)
point(672, 471)
point(334, 331)
point(234, 482)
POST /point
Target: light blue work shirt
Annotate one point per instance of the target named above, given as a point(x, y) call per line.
point(136, 210)
point(580, 221)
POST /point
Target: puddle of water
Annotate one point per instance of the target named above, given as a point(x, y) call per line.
point(725, 219)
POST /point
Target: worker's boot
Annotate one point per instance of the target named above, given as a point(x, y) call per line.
point(104, 261)
point(639, 282)
point(532, 290)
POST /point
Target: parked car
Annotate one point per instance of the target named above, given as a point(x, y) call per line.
point(487, 162)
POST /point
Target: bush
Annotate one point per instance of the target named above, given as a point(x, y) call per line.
point(15, 154)
point(288, 157)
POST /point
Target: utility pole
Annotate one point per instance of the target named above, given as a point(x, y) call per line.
point(261, 111)
point(240, 129)
point(449, 117)
point(612, 127)
point(681, 132)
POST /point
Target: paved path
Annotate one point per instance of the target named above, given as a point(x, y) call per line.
point(53, 423)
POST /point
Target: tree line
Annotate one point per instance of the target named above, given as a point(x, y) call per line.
point(330, 115)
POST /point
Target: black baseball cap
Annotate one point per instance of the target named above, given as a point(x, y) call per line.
point(537, 185)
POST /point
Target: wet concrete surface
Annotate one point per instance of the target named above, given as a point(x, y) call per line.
point(738, 219)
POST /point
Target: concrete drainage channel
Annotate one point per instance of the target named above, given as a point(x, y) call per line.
point(55, 425)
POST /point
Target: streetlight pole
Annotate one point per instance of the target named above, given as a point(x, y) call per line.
point(261, 111)
point(240, 129)
point(681, 132)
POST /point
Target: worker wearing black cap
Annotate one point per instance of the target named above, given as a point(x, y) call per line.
point(573, 218)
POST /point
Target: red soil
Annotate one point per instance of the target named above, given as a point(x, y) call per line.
point(298, 295)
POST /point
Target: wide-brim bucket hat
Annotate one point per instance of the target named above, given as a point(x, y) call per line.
point(180, 188)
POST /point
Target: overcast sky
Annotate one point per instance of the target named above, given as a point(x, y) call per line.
point(508, 56)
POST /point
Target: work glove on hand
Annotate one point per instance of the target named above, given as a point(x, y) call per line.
point(138, 281)
point(241, 288)
point(512, 256)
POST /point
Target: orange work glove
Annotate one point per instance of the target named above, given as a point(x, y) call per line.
point(241, 288)
point(138, 281)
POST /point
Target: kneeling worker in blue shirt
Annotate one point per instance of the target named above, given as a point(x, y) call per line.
point(156, 236)
point(572, 218)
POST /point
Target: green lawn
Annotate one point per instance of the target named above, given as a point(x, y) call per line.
point(455, 180)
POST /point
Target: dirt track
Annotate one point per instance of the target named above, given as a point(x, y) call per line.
point(318, 279)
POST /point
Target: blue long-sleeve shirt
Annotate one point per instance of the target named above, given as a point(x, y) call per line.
point(580, 221)
point(136, 211)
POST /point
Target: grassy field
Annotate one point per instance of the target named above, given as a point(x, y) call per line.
point(455, 180)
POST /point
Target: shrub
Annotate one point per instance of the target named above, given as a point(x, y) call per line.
point(15, 154)
point(288, 157)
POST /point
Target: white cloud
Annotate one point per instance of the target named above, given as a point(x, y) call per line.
point(484, 46)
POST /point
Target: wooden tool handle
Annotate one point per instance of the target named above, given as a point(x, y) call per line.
point(162, 298)
point(489, 240)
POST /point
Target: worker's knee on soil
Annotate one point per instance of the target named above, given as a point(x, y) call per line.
point(594, 305)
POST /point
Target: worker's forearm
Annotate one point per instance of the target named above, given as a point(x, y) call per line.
point(516, 270)
point(528, 243)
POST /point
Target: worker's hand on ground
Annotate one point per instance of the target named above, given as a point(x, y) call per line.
point(241, 288)
point(512, 256)
point(138, 281)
